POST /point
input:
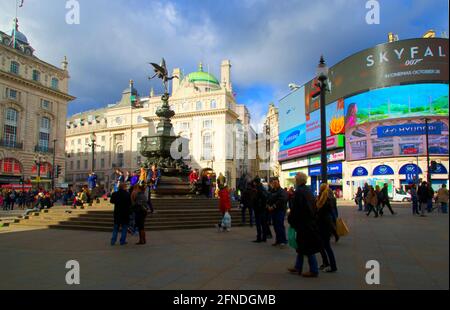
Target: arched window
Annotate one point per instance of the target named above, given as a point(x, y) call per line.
point(10, 165)
point(10, 127)
point(198, 105)
point(213, 104)
point(207, 147)
point(44, 134)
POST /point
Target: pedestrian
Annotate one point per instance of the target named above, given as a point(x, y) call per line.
point(153, 176)
point(423, 194)
point(259, 207)
point(372, 201)
point(122, 210)
point(221, 180)
point(247, 200)
point(430, 198)
point(385, 201)
point(12, 197)
point(139, 203)
point(302, 218)
point(224, 205)
point(442, 198)
point(193, 181)
point(277, 201)
point(359, 198)
point(1, 201)
point(366, 191)
point(326, 224)
point(92, 180)
point(414, 200)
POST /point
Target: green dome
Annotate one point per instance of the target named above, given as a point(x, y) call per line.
point(202, 77)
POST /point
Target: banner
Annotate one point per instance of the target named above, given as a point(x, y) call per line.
point(409, 130)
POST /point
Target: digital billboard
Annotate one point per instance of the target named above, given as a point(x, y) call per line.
point(388, 64)
point(396, 102)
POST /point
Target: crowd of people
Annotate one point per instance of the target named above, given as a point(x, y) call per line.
point(12, 199)
point(370, 199)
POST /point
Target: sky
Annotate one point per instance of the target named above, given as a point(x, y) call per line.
point(270, 43)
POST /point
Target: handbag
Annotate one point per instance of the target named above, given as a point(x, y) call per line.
point(292, 238)
point(226, 220)
point(341, 227)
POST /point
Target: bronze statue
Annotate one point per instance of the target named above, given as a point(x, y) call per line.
point(162, 73)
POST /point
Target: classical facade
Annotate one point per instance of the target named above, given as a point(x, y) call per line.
point(270, 166)
point(207, 115)
point(33, 109)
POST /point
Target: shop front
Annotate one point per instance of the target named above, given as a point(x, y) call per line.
point(334, 178)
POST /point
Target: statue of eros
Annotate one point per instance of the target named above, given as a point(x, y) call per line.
point(162, 73)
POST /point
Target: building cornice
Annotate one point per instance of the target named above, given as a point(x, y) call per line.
point(36, 85)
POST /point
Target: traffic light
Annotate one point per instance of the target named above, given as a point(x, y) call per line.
point(21, 181)
point(433, 165)
point(57, 171)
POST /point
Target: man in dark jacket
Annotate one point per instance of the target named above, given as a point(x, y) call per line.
point(365, 194)
point(385, 200)
point(122, 210)
point(423, 194)
point(277, 201)
point(259, 207)
point(302, 218)
point(248, 196)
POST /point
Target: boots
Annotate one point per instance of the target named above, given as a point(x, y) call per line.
point(141, 237)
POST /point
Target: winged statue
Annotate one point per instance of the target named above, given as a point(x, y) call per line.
point(162, 73)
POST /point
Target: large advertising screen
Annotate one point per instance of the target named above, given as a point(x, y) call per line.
point(388, 64)
point(397, 102)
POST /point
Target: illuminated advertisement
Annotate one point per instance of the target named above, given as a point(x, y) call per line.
point(395, 102)
point(393, 63)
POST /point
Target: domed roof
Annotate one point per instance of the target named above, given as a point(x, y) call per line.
point(19, 35)
point(202, 77)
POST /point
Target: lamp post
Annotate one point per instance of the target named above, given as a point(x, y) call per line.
point(428, 152)
point(322, 76)
point(38, 160)
point(53, 164)
point(93, 145)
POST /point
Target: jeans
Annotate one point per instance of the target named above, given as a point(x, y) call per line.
point(123, 234)
point(415, 206)
point(372, 208)
point(423, 206)
point(278, 225)
point(360, 204)
point(328, 255)
point(444, 207)
point(250, 212)
point(312, 261)
point(261, 226)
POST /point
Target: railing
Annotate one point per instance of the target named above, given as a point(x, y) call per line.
point(11, 144)
point(43, 149)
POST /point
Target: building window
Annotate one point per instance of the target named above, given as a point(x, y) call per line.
point(140, 119)
point(10, 165)
point(184, 126)
point(78, 165)
point(198, 105)
point(85, 164)
point(71, 165)
point(45, 104)
point(12, 94)
point(44, 133)
point(10, 127)
point(207, 146)
point(213, 104)
point(102, 149)
point(36, 76)
point(207, 123)
point(79, 141)
point(14, 68)
point(55, 83)
point(103, 138)
point(72, 142)
point(120, 156)
point(119, 137)
point(184, 107)
point(102, 163)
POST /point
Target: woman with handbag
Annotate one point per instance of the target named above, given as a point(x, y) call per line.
point(139, 202)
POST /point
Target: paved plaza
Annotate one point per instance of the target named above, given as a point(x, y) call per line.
point(413, 253)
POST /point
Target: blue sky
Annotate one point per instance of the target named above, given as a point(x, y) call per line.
point(270, 43)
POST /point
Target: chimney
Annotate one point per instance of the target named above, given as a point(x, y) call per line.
point(176, 81)
point(225, 75)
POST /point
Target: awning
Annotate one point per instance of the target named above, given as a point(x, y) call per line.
point(360, 172)
point(383, 170)
point(440, 169)
point(410, 169)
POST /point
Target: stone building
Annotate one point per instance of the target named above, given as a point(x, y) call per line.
point(207, 115)
point(269, 166)
point(33, 108)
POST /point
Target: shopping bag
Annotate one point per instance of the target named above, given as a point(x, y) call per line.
point(226, 220)
point(292, 237)
point(341, 227)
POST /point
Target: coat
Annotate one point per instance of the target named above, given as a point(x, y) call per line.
point(260, 201)
point(442, 195)
point(372, 198)
point(122, 207)
point(424, 194)
point(278, 198)
point(304, 220)
point(325, 219)
point(224, 200)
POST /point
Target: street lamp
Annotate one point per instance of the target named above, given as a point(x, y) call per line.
point(293, 86)
point(428, 152)
point(322, 76)
point(39, 160)
point(93, 145)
